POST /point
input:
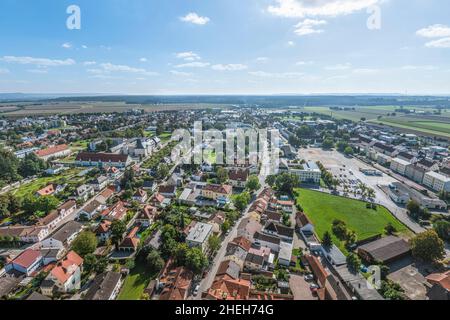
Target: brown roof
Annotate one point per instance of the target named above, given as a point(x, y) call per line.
point(131, 240)
point(223, 189)
point(101, 157)
point(443, 279)
point(227, 288)
point(103, 227)
point(302, 219)
point(49, 151)
point(239, 175)
point(177, 283)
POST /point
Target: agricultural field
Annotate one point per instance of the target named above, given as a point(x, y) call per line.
point(323, 208)
point(63, 107)
point(434, 125)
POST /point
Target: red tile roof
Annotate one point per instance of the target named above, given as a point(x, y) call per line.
point(49, 151)
point(67, 267)
point(48, 190)
point(222, 189)
point(27, 258)
point(101, 157)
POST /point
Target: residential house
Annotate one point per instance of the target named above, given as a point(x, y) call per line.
point(230, 268)
point(116, 212)
point(159, 201)
point(47, 191)
point(84, 192)
point(198, 236)
point(279, 230)
point(428, 165)
point(65, 276)
point(54, 218)
point(227, 288)
point(27, 234)
point(439, 288)
point(176, 283)
point(238, 178)
point(100, 183)
point(168, 191)
point(140, 196)
point(285, 254)
point(90, 210)
point(267, 240)
point(103, 230)
point(146, 216)
point(106, 286)
point(131, 241)
point(219, 193)
point(63, 237)
point(248, 227)
point(415, 173)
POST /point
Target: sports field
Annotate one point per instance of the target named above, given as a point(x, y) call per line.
point(322, 209)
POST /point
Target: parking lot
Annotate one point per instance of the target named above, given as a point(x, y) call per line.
point(347, 170)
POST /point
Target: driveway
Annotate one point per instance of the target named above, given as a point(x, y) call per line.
point(300, 288)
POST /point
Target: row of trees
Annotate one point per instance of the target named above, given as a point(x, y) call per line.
point(13, 169)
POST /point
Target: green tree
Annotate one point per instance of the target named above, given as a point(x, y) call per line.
point(241, 201)
point(354, 262)
point(428, 246)
point(196, 261)
point(89, 262)
point(286, 182)
point(270, 180)
point(222, 175)
point(226, 226)
point(327, 241)
point(85, 243)
point(154, 261)
point(328, 144)
point(348, 151)
point(253, 183)
point(214, 243)
point(118, 229)
point(390, 229)
point(442, 228)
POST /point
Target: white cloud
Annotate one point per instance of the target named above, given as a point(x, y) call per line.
point(337, 67)
point(143, 60)
point(304, 63)
point(4, 71)
point(121, 68)
point(421, 68)
point(84, 46)
point(291, 43)
point(441, 43)
point(193, 65)
point(180, 73)
point(229, 67)
point(188, 56)
point(279, 75)
point(309, 26)
point(434, 31)
point(38, 71)
point(364, 71)
point(38, 61)
point(67, 45)
point(195, 19)
point(262, 59)
point(315, 8)
point(89, 63)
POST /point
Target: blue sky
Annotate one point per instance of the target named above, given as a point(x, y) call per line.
point(225, 47)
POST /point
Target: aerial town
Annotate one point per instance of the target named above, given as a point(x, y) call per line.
point(98, 206)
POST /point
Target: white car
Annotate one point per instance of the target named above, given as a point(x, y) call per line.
point(309, 277)
point(196, 290)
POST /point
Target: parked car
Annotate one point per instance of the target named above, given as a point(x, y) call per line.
point(197, 288)
point(309, 277)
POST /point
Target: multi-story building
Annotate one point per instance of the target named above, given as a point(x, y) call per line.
point(398, 165)
point(437, 181)
point(199, 234)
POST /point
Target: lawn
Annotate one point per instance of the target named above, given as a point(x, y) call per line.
point(136, 282)
point(323, 208)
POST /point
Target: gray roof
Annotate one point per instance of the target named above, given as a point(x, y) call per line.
point(386, 248)
point(66, 231)
point(103, 286)
point(230, 268)
point(36, 296)
point(255, 259)
point(335, 255)
point(7, 285)
point(199, 232)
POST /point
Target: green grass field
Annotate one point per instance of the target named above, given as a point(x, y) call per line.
point(426, 126)
point(323, 208)
point(135, 283)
